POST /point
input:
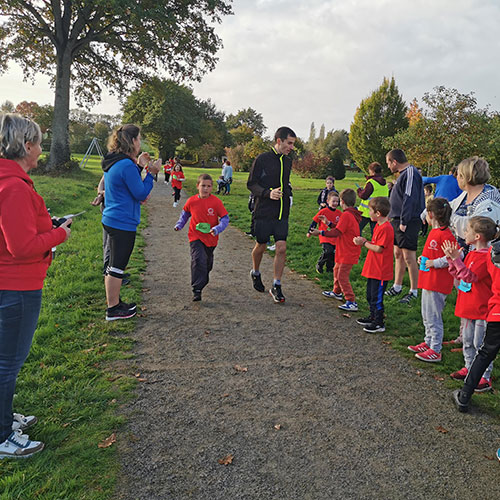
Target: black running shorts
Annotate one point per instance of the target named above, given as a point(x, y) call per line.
point(265, 228)
point(121, 244)
point(407, 239)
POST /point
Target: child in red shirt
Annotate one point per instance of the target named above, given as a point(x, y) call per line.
point(474, 292)
point(347, 252)
point(177, 180)
point(434, 280)
point(208, 219)
point(378, 267)
point(327, 257)
point(167, 169)
point(491, 344)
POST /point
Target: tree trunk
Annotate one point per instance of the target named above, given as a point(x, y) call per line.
point(59, 149)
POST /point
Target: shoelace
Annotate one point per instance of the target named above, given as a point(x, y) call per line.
point(19, 438)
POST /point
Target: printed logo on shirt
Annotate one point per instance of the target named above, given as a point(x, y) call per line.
point(433, 245)
point(211, 211)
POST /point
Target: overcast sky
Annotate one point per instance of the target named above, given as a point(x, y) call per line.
point(299, 61)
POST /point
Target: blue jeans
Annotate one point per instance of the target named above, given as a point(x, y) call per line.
point(19, 311)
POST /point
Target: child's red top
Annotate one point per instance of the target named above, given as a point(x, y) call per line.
point(380, 266)
point(347, 252)
point(331, 215)
point(167, 168)
point(494, 302)
point(474, 290)
point(176, 182)
point(436, 280)
point(209, 210)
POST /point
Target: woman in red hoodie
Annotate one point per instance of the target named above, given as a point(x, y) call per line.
point(26, 240)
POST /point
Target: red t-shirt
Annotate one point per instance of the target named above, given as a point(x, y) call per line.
point(474, 303)
point(176, 183)
point(347, 252)
point(436, 280)
point(494, 302)
point(380, 266)
point(209, 210)
point(333, 216)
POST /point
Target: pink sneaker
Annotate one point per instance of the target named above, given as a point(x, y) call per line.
point(484, 385)
point(430, 356)
point(460, 375)
point(418, 348)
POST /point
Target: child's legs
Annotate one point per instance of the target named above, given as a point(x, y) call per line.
point(323, 258)
point(467, 328)
point(375, 296)
point(199, 265)
point(329, 253)
point(336, 283)
point(343, 278)
point(210, 259)
point(177, 194)
point(479, 333)
point(370, 293)
point(432, 308)
point(484, 357)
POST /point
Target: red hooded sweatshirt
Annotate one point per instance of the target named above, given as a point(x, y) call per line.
point(26, 233)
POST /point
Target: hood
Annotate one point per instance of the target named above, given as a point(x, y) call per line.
point(10, 168)
point(111, 158)
point(355, 212)
point(378, 178)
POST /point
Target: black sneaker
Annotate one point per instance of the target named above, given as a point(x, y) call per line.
point(196, 295)
point(408, 298)
point(319, 269)
point(277, 294)
point(461, 407)
point(364, 321)
point(392, 292)
point(132, 306)
point(257, 282)
point(119, 312)
point(374, 328)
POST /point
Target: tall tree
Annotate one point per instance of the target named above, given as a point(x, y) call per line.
point(110, 43)
point(248, 117)
point(380, 115)
point(451, 127)
point(167, 112)
point(312, 136)
point(336, 140)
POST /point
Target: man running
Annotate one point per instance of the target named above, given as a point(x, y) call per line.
point(269, 182)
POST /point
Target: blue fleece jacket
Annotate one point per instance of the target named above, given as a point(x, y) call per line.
point(446, 186)
point(124, 190)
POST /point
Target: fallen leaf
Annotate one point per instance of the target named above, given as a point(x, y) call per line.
point(65, 425)
point(91, 325)
point(137, 375)
point(456, 349)
point(142, 379)
point(112, 402)
point(88, 350)
point(346, 315)
point(239, 368)
point(277, 427)
point(419, 373)
point(301, 305)
point(143, 308)
point(226, 460)
point(489, 457)
point(56, 325)
point(437, 377)
point(441, 429)
point(207, 332)
point(317, 279)
point(43, 365)
point(106, 443)
point(386, 342)
point(225, 395)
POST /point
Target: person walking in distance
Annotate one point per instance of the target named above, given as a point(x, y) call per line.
point(407, 203)
point(269, 182)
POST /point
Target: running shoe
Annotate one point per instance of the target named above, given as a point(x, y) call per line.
point(257, 282)
point(277, 294)
point(374, 328)
point(119, 312)
point(196, 295)
point(332, 295)
point(483, 386)
point(408, 298)
point(349, 306)
point(19, 445)
point(392, 292)
point(460, 374)
point(20, 422)
point(364, 321)
point(418, 348)
point(429, 356)
point(461, 407)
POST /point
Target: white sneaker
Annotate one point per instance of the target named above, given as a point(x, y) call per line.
point(272, 248)
point(19, 445)
point(174, 204)
point(165, 182)
point(22, 423)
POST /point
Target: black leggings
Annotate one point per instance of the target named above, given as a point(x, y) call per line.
point(121, 244)
point(177, 194)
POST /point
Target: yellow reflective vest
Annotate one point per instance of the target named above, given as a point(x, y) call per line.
point(378, 190)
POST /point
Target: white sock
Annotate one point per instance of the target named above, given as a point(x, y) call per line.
point(414, 292)
point(397, 288)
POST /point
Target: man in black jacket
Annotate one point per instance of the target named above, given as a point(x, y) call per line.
point(269, 182)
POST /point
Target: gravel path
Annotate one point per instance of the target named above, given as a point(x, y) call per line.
point(319, 410)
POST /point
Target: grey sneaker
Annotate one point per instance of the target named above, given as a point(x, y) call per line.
point(19, 445)
point(20, 422)
point(461, 407)
point(408, 298)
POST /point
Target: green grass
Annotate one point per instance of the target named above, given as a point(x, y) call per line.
point(404, 323)
point(68, 380)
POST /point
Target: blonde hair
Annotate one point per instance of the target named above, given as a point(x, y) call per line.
point(121, 140)
point(15, 132)
point(474, 170)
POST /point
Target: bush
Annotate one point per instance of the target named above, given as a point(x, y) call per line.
point(65, 168)
point(311, 165)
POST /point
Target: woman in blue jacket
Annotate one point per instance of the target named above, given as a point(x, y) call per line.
point(124, 191)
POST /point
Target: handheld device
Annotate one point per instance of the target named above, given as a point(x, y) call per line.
point(56, 222)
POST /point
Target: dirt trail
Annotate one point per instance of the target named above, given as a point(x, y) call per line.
point(355, 420)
